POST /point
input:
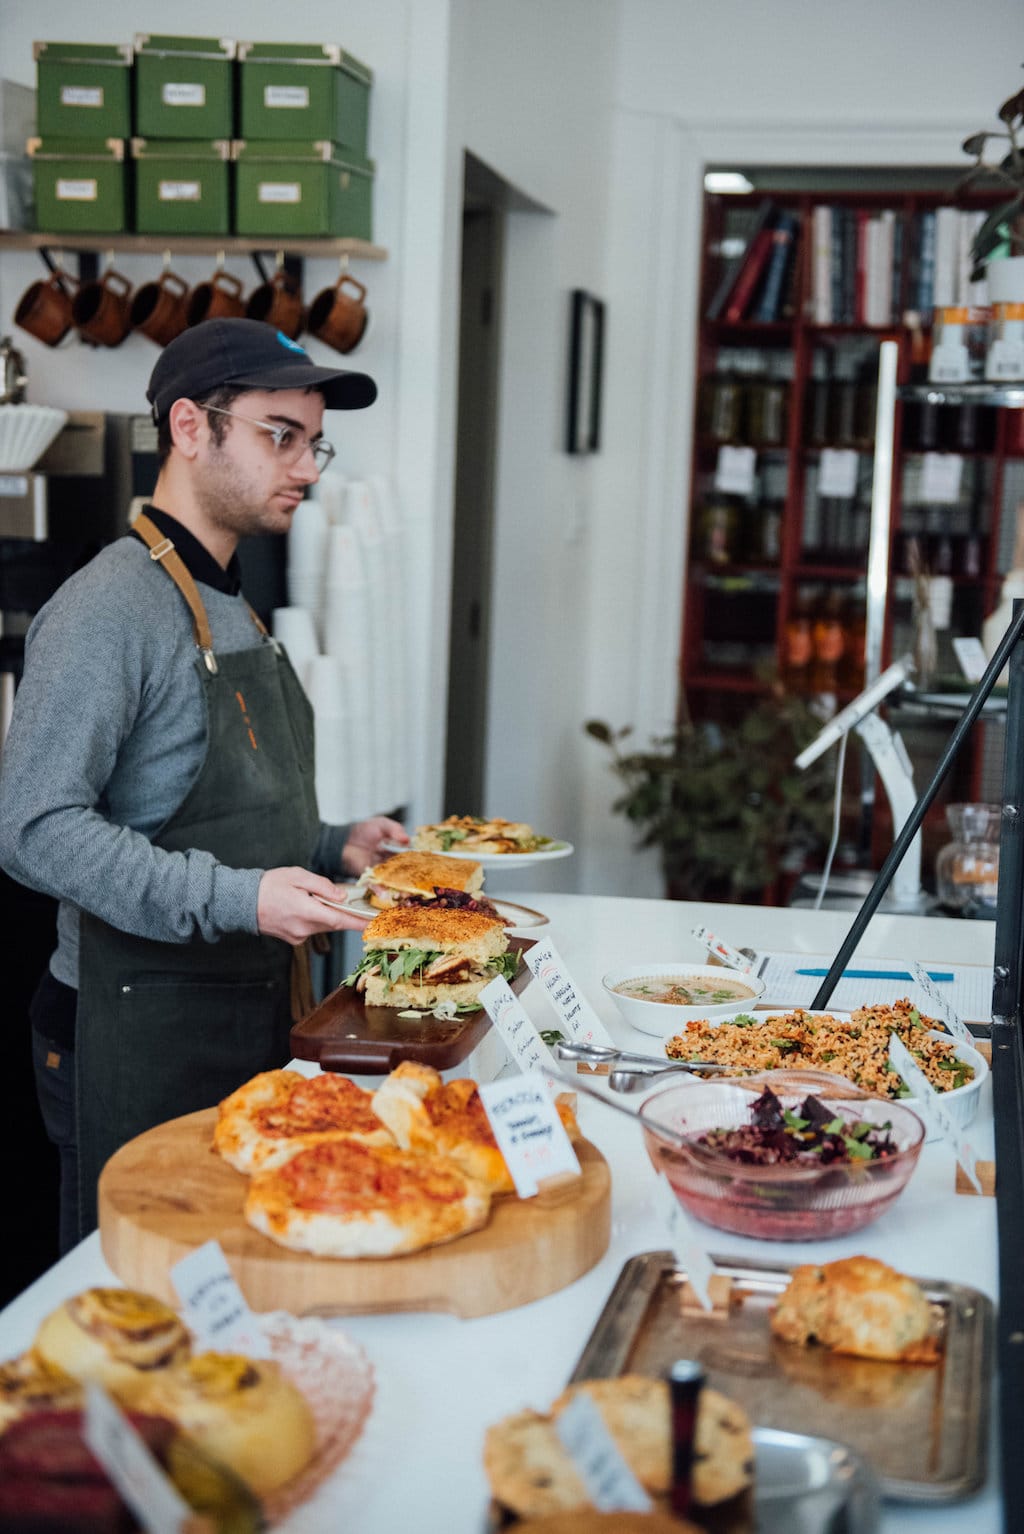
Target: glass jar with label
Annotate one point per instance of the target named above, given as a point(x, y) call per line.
point(717, 531)
point(967, 868)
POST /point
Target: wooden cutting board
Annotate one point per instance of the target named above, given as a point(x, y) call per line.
point(166, 1192)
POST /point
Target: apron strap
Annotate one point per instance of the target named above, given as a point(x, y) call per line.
point(302, 996)
point(163, 552)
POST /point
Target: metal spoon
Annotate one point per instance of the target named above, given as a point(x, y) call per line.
point(634, 1081)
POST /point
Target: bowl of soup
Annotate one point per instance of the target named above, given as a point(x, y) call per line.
point(652, 997)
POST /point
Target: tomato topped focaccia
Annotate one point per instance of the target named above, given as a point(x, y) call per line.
point(344, 1199)
point(432, 1116)
point(278, 1113)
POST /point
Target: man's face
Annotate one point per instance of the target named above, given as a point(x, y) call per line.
point(246, 484)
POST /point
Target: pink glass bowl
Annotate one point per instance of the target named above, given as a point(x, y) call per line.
point(775, 1203)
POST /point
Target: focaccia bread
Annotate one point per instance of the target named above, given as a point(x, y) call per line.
point(532, 1474)
point(858, 1305)
point(343, 1199)
point(242, 1411)
point(27, 1384)
point(115, 1337)
point(434, 1117)
point(278, 1113)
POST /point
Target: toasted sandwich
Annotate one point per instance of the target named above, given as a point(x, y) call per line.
point(412, 878)
point(425, 957)
point(471, 833)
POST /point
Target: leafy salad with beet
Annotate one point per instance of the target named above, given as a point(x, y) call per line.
point(811, 1134)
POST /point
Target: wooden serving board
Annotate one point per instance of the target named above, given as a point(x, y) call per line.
point(166, 1192)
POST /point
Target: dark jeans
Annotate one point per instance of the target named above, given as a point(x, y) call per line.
point(54, 1067)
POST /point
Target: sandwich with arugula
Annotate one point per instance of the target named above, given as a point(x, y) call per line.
point(426, 957)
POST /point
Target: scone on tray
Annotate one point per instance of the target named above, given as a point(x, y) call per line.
point(860, 1306)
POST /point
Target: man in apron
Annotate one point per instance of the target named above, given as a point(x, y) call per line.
point(158, 773)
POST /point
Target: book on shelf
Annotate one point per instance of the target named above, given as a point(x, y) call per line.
point(723, 297)
point(768, 308)
point(821, 265)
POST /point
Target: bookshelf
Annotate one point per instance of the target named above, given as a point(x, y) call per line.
point(798, 290)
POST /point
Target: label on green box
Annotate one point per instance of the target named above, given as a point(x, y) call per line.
point(76, 191)
point(81, 95)
point(292, 96)
point(180, 94)
point(179, 191)
point(279, 191)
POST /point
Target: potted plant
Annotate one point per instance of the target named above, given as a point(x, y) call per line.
point(724, 803)
point(1002, 233)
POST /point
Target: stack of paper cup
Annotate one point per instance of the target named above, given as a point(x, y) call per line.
point(399, 665)
point(307, 548)
point(331, 494)
point(327, 693)
point(364, 517)
point(293, 626)
point(349, 640)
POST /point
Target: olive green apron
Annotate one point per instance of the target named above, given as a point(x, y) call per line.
point(166, 1028)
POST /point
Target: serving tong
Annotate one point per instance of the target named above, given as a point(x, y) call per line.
point(630, 1072)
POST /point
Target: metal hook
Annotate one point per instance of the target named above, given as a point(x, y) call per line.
point(167, 260)
point(343, 263)
point(221, 258)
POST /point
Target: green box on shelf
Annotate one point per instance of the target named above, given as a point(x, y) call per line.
point(83, 88)
point(80, 185)
point(303, 91)
point(182, 186)
point(184, 87)
point(285, 188)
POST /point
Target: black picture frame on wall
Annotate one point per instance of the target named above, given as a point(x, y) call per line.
point(586, 362)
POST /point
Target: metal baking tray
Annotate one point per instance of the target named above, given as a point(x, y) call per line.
point(921, 1428)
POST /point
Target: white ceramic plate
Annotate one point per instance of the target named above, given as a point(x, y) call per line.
point(517, 917)
point(496, 859)
point(962, 1101)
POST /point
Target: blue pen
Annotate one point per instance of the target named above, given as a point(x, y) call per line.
point(882, 974)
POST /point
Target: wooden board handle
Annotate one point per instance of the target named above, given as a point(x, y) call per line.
point(359, 1057)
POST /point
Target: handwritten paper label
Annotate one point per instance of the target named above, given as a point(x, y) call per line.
point(581, 1022)
point(287, 96)
point(941, 1005)
point(691, 1254)
point(734, 471)
point(932, 1109)
point(722, 950)
point(528, 1130)
point(213, 1306)
point(940, 478)
point(180, 93)
point(970, 657)
point(517, 1029)
point(81, 95)
point(152, 1497)
point(611, 1485)
point(837, 473)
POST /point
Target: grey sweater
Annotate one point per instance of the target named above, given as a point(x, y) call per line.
point(108, 734)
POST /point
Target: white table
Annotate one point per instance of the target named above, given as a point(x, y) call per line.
point(441, 1380)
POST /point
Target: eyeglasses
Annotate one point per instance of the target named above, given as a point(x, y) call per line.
point(289, 443)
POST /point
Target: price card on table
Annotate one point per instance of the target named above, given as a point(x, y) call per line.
point(140, 1480)
point(940, 478)
point(837, 473)
point(970, 656)
point(518, 1031)
point(735, 469)
point(941, 1005)
point(932, 1109)
point(213, 1306)
point(722, 950)
point(528, 1130)
point(690, 1252)
point(611, 1484)
point(582, 1024)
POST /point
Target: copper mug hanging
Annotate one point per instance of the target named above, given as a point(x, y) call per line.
point(44, 309)
point(160, 309)
point(278, 303)
point(338, 316)
point(101, 310)
point(218, 299)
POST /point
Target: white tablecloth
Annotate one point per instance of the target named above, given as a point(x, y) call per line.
point(441, 1380)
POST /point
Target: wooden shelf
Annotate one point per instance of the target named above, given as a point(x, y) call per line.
point(191, 244)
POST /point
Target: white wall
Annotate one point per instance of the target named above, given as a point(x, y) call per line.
point(794, 82)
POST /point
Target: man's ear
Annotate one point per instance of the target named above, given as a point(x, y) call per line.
point(188, 424)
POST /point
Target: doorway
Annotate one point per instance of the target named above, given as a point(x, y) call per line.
point(483, 229)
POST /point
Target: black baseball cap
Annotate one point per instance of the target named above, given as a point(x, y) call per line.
point(249, 354)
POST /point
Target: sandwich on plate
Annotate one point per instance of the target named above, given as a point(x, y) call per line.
point(426, 878)
point(426, 957)
point(471, 833)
